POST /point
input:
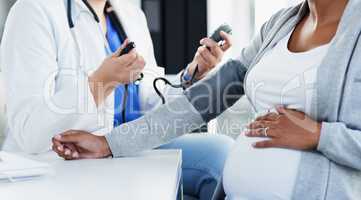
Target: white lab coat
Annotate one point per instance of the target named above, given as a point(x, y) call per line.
point(47, 91)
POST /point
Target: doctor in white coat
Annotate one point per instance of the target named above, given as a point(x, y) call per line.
point(63, 72)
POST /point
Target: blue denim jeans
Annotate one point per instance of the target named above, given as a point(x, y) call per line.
point(203, 161)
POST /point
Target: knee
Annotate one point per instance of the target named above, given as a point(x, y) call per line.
point(203, 170)
point(205, 153)
point(218, 146)
point(208, 153)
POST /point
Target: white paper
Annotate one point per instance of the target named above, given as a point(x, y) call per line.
point(15, 168)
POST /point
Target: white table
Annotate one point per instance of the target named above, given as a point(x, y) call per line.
point(153, 176)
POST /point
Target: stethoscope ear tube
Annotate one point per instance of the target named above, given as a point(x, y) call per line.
point(69, 14)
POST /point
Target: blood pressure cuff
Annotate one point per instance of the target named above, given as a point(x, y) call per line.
point(218, 92)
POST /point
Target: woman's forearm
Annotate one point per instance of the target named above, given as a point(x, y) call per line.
point(160, 126)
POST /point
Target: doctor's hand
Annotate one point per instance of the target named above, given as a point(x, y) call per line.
point(120, 70)
point(209, 55)
point(115, 70)
point(73, 145)
point(288, 129)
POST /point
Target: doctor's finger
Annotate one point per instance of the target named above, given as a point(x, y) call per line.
point(128, 59)
point(139, 63)
point(120, 49)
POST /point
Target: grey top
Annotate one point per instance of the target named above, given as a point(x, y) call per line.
point(333, 171)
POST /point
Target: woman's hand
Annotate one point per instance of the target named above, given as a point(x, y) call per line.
point(289, 129)
point(209, 55)
point(73, 145)
point(115, 70)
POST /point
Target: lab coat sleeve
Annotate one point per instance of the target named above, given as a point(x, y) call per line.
point(40, 103)
point(341, 144)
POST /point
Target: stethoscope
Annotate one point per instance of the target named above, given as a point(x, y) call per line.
point(118, 28)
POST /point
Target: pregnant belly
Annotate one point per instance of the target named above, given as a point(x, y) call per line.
point(259, 174)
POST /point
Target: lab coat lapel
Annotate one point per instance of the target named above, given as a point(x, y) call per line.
point(333, 70)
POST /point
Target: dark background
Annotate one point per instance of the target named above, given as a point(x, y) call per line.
point(176, 27)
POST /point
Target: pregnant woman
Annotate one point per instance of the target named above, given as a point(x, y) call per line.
point(303, 72)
